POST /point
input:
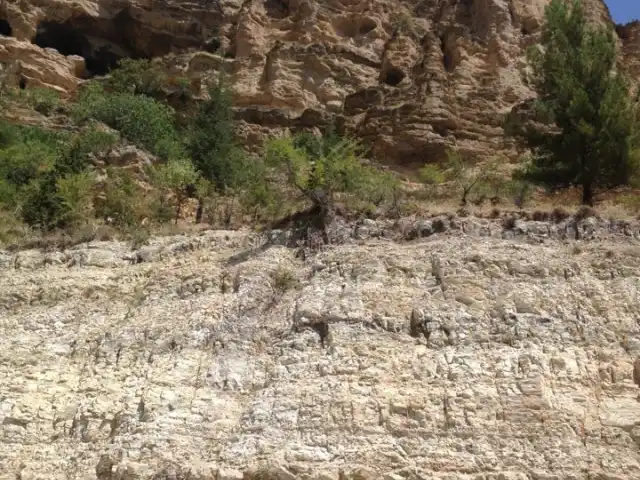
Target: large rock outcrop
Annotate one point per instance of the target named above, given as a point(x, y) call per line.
point(630, 36)
point(477, 352)
point(410, 77)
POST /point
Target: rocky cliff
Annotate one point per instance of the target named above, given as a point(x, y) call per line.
point(630, 36)
point(409, 77)
point(476, 351)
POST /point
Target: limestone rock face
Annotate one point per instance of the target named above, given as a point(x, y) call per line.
point(630, 36)
point(471, 353)
point(410, 77)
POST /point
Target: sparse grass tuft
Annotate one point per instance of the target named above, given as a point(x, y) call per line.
point(138, 237)
point(283, 279)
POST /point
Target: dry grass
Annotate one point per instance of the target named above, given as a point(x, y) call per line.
point(622, 204)
point(415, 201)
point(284, 279)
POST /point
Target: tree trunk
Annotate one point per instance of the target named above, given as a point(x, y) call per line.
point(587, 194)
point(199, 211)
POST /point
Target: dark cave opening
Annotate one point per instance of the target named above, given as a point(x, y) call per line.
point(5, 28)
point(70, 39)
point(367, 25)
point(62, 37)
point(278, 9)
point(393, 76)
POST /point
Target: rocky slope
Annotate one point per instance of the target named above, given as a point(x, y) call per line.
point(410, 77)
point(474, 352)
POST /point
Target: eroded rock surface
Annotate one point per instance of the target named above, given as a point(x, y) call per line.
point(470, 352)
point(409, 77)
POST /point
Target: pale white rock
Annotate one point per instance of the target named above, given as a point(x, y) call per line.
point(154, 369)
point(229, 474)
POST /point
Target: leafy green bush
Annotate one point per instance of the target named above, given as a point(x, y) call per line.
point(519, 191)
point(431, 174)
point(11, 134)
point(40, 204)
point(44, 100)
point(136, 76)
point(27, 157)
point(42, 173)
point(173, 178)
point(140, 119)
point(78, 150)
point(465, 178)
point(76, 196)
point(20, 163)
point(122, 200)
point(183, 88)
point(329, 166)
point(212, 146)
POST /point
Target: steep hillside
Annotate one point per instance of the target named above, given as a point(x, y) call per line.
point(410, 77)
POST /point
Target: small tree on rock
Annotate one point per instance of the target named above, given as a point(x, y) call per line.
point(321, 168)
point(461, 175)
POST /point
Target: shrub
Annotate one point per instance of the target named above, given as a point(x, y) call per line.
point(140, 119)
point(183, 88)
point(21, 163)
point(326, 167)
point(509, 223)
point(629, 201)
point(519, 191)
point(431, 174)
point(42, 177)
point(122, 201)
point(559, 214)
point(136, 76)
point(464, 177)
point(44, 100)
point(403, 24)
point(76, 154)
point(585, 212)
point(76, 196)
point(40, 204)
point(173, 178)
point(283, 280)
point(12, 230)
point(14, 134)
point(138, 237)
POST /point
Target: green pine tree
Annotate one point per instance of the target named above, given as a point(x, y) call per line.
point(212, 137)
point(584, 128)
point(213, 148)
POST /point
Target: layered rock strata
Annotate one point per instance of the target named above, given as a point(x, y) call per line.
point(474, 351)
